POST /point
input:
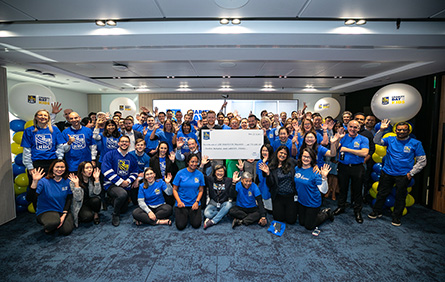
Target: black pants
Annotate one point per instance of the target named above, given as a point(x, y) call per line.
point(311, 217)
point(353, 173)
point(386, 183)
point(51, 219)
point(164, 211)
point(284, 209)
point(247, 215)
point(183, 215)
point(89, 207)
point(120, 199)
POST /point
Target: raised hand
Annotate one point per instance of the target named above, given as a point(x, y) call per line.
point(56, 107)
point(168, 177)
point(236, 177)
point(341, 132)
point(265, 168)
point(180, 142)
point(324, 126)
point(37, 173)
point(335, 138)
point(74, 179)
point(172, 156)
point(384, 124)
point(240, 165)
point(96, 174)
point(205, 160)
point(325, 169)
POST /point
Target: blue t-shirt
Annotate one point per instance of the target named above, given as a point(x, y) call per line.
point(400, 154)
point(188, 183)
point(167, 137)
point(43, 143)
point(152, 195)
point(306, 182)
point(80, 148)
point(186, 137)
point(106, 144)
point(265, 193)
point(277, 143)
point(140, 127)
point(150, 144)
point(245, 198)
point(300, 139)
point(272, 134)
point(52, 195)
point(356, 143)
point(143, 161)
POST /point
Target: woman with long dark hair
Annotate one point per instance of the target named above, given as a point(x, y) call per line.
point(152, 207)
point(266, 153)
point(310, 141)
point(280, 180)
point(89, 204)
point(107, 140)
point(54, 197)
point(309, 182)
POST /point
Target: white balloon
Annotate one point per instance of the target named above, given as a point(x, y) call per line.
point(125, 105)
point(397, 102)
point(327, 107)
point(25, 99)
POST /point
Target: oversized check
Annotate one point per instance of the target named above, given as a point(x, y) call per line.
point(232, 144)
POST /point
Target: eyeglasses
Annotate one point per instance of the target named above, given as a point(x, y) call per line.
point(402, 129)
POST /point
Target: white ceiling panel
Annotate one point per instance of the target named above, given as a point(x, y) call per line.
point(223, 8)
point(87, 9)
point(375, 9)
point(227, 68)
point(8, 13)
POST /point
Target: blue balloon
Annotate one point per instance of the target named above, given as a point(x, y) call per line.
point(21, 208)
point(377, 126)
point(17, 125)
point(18, 169)
point(21, 200)
point(390, 201)
point(19, 159)
point(377, 168)
point(411, 183)
point(375, 177)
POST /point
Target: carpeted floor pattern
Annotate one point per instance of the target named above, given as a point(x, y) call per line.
point(344, 251)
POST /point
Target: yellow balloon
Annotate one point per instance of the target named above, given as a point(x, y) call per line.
point(29, 123)
point(409, 201)
point(22, 180)
point(405, 211)
point(16, 149)
point(409, 189)
point(380, 150)
point(377, 158)
point(375, 185)
point(18, 137)
point(389, 134)
point(31, 208)
point(19, 189)
point(372, 193)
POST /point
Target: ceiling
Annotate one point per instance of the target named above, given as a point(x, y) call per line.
point(166, 46)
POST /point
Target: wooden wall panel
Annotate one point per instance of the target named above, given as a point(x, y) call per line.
point(94, 103)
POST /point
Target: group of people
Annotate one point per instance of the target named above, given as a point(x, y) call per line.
point(80, 166)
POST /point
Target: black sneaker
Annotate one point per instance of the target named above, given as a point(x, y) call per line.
point(236, 222)
point(116, 220)
point(330, 213)
point(396, 222)
point(374, 215)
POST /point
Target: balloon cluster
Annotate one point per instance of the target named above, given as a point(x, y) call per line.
point(21, 180)
point(379, 157)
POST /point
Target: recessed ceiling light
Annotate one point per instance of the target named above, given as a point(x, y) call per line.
point(183, 89)
point(111, 23)
point(100, 23)
point(227, 65)
point(349, 22)
point(236, 21)
point(224, 21)
point(360, 22)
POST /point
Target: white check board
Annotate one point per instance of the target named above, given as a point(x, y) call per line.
point(232, 144)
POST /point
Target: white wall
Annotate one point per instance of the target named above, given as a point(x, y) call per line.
point(70, 99)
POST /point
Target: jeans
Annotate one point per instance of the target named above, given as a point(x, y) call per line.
point(216, 214)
